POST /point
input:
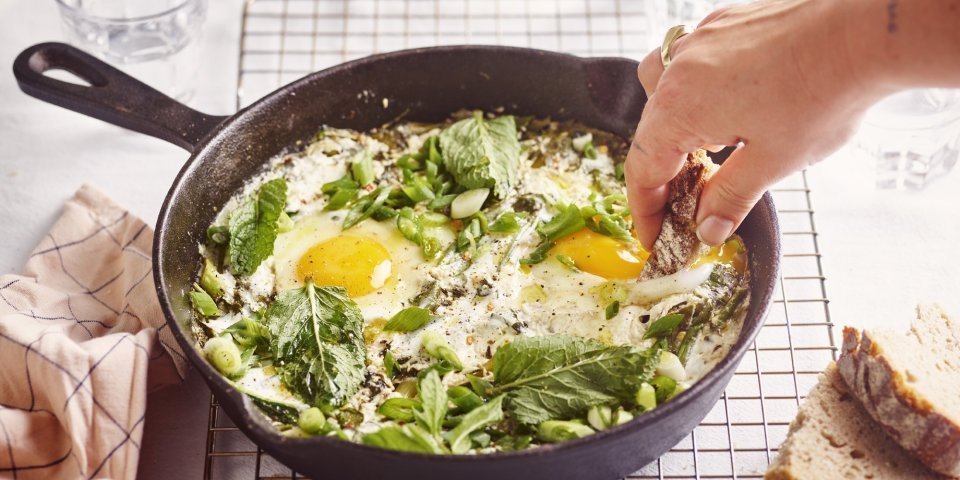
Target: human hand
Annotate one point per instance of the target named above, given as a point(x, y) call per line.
point(776, 76)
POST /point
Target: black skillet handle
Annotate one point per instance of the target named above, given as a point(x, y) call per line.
point(113, 96)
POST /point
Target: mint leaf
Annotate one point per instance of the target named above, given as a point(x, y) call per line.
point(478, 418)
point(253, 226)
point(317, 343)
point(433, 403)
point(408, 438)
point(482, 153)
point(562, 376)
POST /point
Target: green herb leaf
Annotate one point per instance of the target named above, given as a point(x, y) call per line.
point(562, 376)
point(478, 418)
point(317, 343)
point(433, 403)
point(564, 223)
point(663, 326)
point(479, 385)
point(483, 153)
point(409, 319)
point(408, 438)
point(253, 226)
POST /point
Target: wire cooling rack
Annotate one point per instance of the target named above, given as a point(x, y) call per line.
point(283, 40)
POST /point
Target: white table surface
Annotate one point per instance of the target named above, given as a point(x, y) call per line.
point(883, 251)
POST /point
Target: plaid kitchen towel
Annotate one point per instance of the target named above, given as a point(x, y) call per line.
point(82, 341)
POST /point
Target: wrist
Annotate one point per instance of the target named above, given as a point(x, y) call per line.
point(864, 48)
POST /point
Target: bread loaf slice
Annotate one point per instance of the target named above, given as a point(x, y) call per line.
point(678, 246)
point(833, 437)
point(910, 384)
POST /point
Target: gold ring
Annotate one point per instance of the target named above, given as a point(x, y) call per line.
point(672, 36)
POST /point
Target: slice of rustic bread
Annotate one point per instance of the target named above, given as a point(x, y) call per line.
point(910, 384)
point(678, 246)
point(833, 437)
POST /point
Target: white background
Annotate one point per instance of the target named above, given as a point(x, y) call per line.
point(883, 251)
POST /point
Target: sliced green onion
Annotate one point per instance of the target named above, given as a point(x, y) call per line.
point(469, 202)
point(433, 219)
point(284, 223)
point(210, 280)
point(203, 303)
point(646, 397)
point(409, 225)
point(464, 398)
point(364, 207)
point(665, 386)
point(312, 421)
point(663, 326)
point(507, 222)
point(418, 190)
point(553, 431)
point(409, 319)
point(600, 417)
point(612, 309)
point(441, 202)
point(568, 262)
point(590, 151)
point(438, 348)
point(580, 142)
point(219, 235)
point(399, 409)
point(389, 364)
point(224, 355)
point(564, 223)
point(362, 169)
point(670, 366)
point(539, 254)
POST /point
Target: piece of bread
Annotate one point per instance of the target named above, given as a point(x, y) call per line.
point(678, 246)
point(910, 384)
point(833, 437)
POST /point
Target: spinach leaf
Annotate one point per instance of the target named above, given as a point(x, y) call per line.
point(478, 418)
point(482, 153)
point(561, 376)
point(253, 226)
point(408, 438)
point(433, 404)
point(317, 343)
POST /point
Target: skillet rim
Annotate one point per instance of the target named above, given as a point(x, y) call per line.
point(261, 432)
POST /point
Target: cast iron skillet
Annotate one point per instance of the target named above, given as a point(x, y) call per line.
point(427, 85)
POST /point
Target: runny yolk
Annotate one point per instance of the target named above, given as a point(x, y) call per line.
point(358, 264)
point(601, 255)
point(731, 252)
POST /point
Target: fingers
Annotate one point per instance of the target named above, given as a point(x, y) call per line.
point(732, 191)
point(649, 71)
point(656, 155)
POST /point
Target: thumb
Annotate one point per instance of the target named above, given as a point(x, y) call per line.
point(733, 190)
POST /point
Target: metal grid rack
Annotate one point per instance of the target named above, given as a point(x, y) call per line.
point(285, 39)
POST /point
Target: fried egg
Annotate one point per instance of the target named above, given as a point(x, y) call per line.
point(379, 268)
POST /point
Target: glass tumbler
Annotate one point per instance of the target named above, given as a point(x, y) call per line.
point(913, 137)
point(155, 41)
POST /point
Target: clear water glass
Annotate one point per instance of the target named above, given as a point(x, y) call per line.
point(153, 40)
point(913, 137)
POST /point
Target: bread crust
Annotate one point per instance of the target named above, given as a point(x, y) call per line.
point(678, 246)
point(889, 399)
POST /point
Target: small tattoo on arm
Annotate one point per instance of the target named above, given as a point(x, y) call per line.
point(892, 16)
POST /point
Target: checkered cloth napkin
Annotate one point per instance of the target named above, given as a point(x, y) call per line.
point(82, 341)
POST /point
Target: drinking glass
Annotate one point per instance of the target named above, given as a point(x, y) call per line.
point(152, 40)
point(913, 137)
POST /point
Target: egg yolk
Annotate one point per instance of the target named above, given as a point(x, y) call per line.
point(731, 252)
point(601, 255)
point(358, 264)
